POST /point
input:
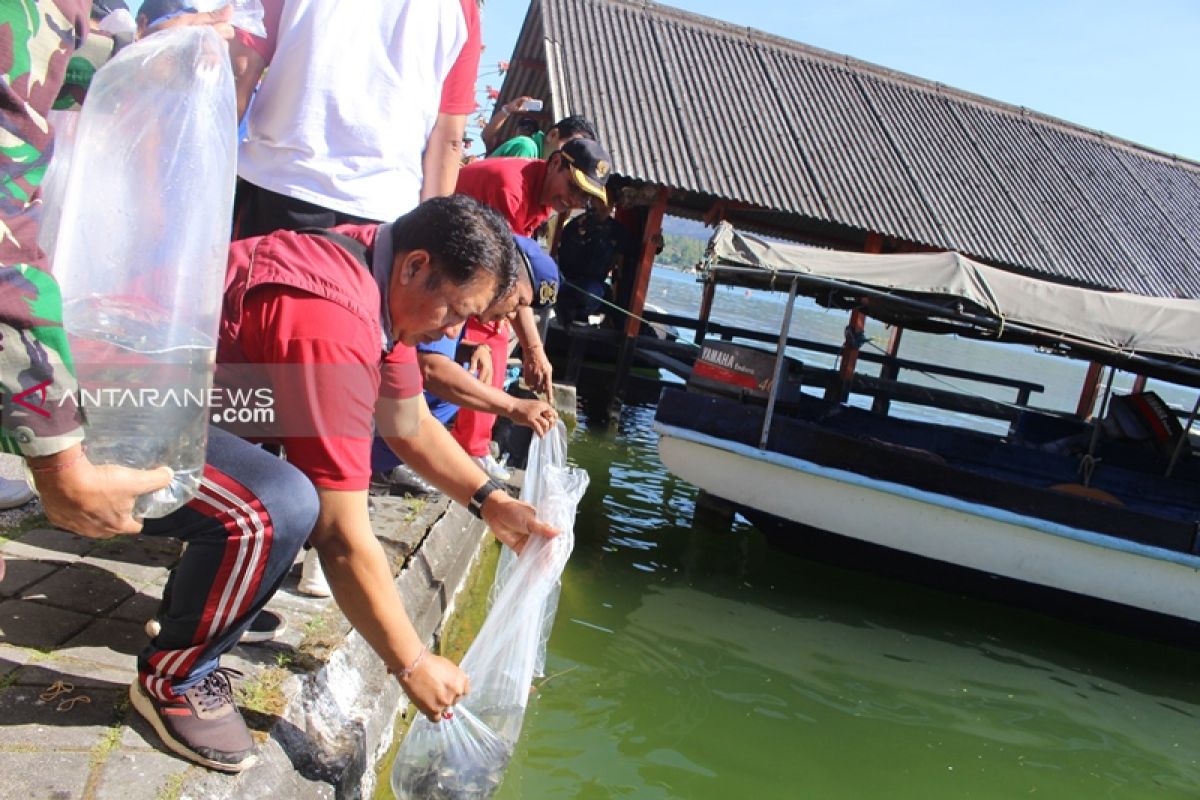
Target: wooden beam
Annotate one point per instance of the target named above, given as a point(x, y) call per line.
point(706, 305)
point(889, 371)
point(651, 230)
point(641, 279)
point(839, 389)
point(1089, 392)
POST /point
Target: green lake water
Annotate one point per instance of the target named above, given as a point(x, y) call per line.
point(690, 660)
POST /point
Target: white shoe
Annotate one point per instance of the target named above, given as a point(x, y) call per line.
point(312, 577)
point(494, 469)
point(14, 493)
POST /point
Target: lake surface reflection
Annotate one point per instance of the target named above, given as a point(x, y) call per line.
point(691, 660)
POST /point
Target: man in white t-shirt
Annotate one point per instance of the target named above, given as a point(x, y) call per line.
point(361, 114)
point(359, 117)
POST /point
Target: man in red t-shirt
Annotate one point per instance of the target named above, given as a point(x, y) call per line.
point(526, 192)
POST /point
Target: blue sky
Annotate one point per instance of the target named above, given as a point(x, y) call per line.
point(1130, 69)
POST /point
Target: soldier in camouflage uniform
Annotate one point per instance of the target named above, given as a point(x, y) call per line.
point(37, 40)
point(255, 511)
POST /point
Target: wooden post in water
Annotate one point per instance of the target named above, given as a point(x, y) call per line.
point(706, 304)
point(641, 281)
point(839, 388)
point(1089, 392)
point(888, 372)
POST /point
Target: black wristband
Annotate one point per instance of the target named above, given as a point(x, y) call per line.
point(482, 494)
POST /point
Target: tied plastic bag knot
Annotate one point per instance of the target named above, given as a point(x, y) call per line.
point(465, 756)
point(247, 14)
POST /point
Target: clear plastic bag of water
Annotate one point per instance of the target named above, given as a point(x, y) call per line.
point(465, 756)
point(65, 123)
point(141, 251)
point(247, 14)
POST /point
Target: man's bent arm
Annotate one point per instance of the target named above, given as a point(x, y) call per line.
point(539, 375)
point(357, 569)
point(439, 459)
point(248, 66)
point(451, 382)
point(443, 156)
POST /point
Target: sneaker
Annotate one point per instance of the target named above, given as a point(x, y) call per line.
point(267, 625)
point(400, 481)
point(494, 468)
point(312, 577)
point(14, 493)
point(203, 724)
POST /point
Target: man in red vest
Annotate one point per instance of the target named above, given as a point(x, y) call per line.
point(323, 324)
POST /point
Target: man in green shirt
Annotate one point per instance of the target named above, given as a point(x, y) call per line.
point(538, 145)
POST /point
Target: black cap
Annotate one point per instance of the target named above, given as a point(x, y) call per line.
point(590, 165)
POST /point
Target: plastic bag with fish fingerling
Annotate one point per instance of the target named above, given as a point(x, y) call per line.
point(465, 756)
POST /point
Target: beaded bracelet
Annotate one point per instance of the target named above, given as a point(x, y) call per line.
point(59, 467)
point(407, 672)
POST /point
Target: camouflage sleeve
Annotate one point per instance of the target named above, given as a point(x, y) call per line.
point(38, 411)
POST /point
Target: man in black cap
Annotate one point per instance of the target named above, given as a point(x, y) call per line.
point(526, 192)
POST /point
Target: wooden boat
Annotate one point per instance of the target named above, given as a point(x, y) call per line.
point(1106, 508)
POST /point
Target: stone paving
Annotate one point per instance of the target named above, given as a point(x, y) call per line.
point(72, 612)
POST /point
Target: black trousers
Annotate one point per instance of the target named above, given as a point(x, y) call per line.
point(258, 211)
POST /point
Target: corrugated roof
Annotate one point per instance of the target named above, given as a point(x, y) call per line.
point(825, 143)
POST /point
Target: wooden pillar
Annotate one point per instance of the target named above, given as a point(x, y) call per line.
point(706, 304)
point(641, 282)
point(1089, 392)
point(839, 389)
point(889, 371)
point(1139, 385)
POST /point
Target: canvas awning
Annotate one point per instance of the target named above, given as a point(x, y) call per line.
point(910, 289)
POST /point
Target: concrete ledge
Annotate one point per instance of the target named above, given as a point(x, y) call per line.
point(318, 699)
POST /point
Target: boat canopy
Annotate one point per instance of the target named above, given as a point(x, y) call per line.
point(940, 292)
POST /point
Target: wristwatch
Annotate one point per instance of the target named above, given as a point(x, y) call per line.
point(482, 494)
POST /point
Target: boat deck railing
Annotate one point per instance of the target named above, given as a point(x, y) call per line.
point(884, 388)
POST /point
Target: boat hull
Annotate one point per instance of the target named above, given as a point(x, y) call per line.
point(939, 527)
